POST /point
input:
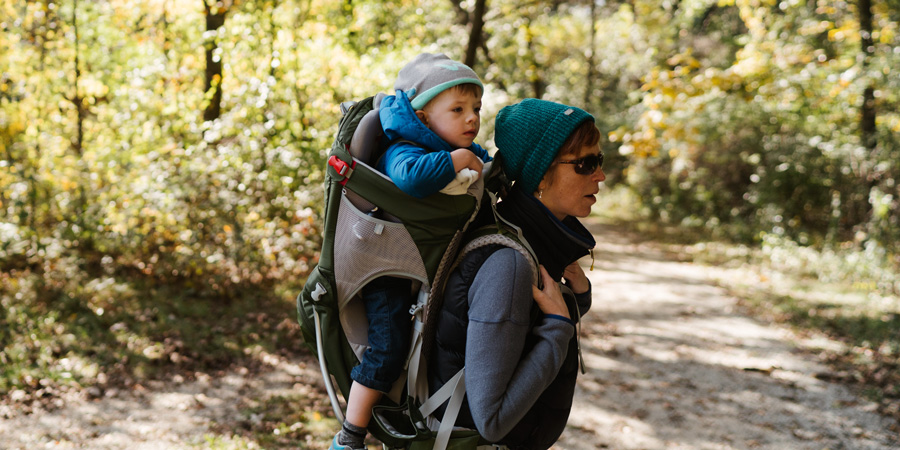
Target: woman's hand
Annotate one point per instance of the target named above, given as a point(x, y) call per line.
point(550, 300)
point(576, 278)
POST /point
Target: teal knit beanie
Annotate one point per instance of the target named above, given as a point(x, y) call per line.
point(529, 134)
point(427, 75)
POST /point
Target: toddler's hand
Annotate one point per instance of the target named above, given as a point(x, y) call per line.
point(463, 158)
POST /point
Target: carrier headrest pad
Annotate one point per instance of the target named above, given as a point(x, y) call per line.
point(376, 102)
point(366, 137)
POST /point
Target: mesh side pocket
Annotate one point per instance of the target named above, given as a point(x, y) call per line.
point(366, 247)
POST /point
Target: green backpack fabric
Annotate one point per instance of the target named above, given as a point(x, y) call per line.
point(408, 237)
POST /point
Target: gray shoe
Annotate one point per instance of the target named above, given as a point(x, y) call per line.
point(335, 446)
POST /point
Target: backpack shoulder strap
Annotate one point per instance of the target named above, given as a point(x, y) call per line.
point(493, 235)
point(454, 391)
point(502, 232)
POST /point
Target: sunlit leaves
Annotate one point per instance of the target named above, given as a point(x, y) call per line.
point(790, 99)
point(683, 90)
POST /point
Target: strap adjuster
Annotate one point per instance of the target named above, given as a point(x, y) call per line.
point(342, 168)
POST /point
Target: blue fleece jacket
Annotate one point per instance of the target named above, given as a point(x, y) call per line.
point(419, 169)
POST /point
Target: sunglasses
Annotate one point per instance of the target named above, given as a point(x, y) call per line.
point(587, 165)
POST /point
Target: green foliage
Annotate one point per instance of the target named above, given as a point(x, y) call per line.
point(146, 184)
point(735, 119)
point(64, 329)
point(768, 138)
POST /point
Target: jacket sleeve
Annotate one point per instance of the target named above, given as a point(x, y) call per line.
point(502, 383)
point(481, 153)
point(416, 171)
point(584, 300)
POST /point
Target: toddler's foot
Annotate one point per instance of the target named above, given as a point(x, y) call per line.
point(351, 437)
point(336, 446)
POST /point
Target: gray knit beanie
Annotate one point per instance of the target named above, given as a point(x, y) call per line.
point(427, 75)
point(529, 134)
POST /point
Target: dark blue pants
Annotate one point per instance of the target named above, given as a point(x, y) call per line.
point(387, 301)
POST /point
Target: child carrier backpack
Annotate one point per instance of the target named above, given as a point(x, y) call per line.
point(373, 229)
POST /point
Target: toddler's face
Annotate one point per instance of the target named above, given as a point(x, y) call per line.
point(455, 116)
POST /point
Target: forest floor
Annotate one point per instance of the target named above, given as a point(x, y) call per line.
point(672, 363)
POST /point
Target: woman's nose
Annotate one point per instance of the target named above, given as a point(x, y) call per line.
point(599, 176)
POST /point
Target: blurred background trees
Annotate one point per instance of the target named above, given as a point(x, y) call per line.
point(183, 141)
point(161, 161)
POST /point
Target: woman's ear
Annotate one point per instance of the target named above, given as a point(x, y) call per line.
point(422, 116)
point(539, 192)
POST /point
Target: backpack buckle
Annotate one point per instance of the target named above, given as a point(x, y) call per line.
point(342, 168)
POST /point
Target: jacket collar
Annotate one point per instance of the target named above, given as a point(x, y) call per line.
point(556, 243)
point(399, 121)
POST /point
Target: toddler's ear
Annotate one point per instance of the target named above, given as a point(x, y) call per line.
point(422, 116)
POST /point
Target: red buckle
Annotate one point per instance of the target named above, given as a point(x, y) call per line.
point(343, 169)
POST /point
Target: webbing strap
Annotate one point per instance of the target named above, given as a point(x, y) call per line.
point(415, 352)
point(320, 349)
point(565, 288)
point(499, 239)
point(518, 231)
point(455, 390)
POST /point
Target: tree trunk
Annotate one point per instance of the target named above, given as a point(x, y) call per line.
point(537, 83)
point(81, 114)
point(164, 25)
point(215, 18)
point(77, 101)
point(591, 72)
point(475, 33)
point(462, 16)
point(31, 166)
point(867, 119)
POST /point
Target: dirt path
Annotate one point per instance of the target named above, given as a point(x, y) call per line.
point(164, 416)
point(671, 365)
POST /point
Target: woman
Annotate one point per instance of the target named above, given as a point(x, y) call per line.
point(516, 342)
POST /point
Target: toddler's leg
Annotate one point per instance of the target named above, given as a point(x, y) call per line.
point(360, 403)
point(387, 301)
point(359, 410)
